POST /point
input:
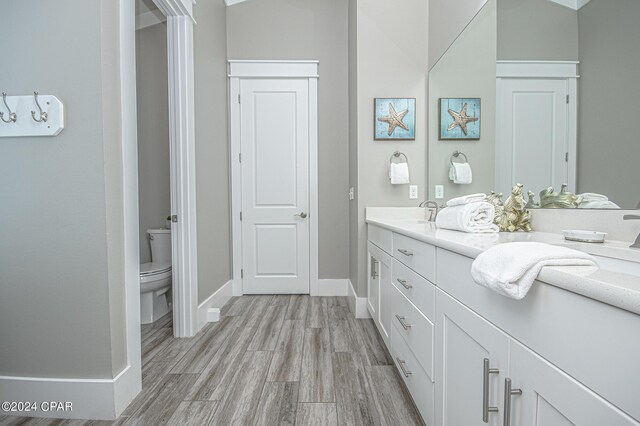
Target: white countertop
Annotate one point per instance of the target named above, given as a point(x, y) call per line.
point(613, 288)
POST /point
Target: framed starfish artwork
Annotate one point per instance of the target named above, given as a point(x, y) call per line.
point(459, 119)
point(394, 119)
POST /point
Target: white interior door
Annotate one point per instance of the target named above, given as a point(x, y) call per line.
point(532, 144)
point(274, 123)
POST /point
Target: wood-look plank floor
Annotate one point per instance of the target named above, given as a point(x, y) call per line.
point(270, 360)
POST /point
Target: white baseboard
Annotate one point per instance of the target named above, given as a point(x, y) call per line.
point(216, 300)
point(357, 304)
point(333, 287)
point(97, 399)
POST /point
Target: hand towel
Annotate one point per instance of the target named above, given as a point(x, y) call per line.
point(467, 199)
point(474, 217)
point(399, 173)
point(460, 173)
point(509, 269)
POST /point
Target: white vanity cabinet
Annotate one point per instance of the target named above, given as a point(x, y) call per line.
point(379, 280)
point(472, 360)
point(569, 359)
point(551, 397)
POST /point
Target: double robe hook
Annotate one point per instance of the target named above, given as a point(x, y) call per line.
point(12, 115)
point(43, 114)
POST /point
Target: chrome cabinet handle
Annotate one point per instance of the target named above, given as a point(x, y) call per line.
point(406, 252)
point(401, 364)
point(374, 270)
point(403, 323)
point(507, 400)
point(303, 215)
point(405, 283)
point(485, 390)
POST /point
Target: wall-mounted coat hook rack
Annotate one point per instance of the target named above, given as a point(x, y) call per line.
point(45, 122)
point(12, 115)
point(43, 114)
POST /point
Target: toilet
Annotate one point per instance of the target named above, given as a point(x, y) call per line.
point(155, 277)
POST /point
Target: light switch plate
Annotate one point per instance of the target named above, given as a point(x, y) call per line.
point(413, 192)
point(439, 192)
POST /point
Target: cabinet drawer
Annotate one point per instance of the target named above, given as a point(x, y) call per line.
point(415, 328)
point(419, 256)
point(381, 237)
point(420, 387)
point(417, 289)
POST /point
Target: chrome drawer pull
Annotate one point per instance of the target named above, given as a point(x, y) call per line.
point(485, 390)
point(507, 400)
point(406, 252)
point(402, 322)
point(405, 283)
point(401, 364)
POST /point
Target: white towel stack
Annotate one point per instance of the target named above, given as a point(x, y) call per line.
point(511, 268)
point(591, 200)
point(468, 214)
point(460, 173)
point(399, 173)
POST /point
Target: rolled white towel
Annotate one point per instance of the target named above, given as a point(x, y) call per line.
point(467, 199)
point(511, 268)
point(592, 196)
point(474, 217)
point(598, 204)
point(399, 173)
point(460, 173)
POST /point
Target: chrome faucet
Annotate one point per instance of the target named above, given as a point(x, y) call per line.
point(636, 244)
point(434, 213)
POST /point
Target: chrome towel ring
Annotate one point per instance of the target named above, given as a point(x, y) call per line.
point(457, 154)
point(398, 154)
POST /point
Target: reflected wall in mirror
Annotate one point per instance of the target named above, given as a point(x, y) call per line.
point(565, 94)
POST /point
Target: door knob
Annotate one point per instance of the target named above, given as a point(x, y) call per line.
point(303, 215)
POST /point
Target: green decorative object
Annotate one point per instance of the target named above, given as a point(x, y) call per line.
point(512, 215)
point(549, 199)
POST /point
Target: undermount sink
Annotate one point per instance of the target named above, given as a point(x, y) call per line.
point(618, 265)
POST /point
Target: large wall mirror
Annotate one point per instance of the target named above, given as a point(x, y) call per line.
point(558, 83)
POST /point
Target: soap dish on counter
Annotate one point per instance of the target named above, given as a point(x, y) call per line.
point(584, 236)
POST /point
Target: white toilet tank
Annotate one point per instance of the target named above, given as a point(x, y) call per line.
point(160, 240)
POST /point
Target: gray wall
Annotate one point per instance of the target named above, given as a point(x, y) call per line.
point(537, 30)
point(447, 19)
point(153, 132)
point(310, 29)
point(212, 148)
point(391, 62)
point(468, 69)
point(608, 143)
point(59, 286)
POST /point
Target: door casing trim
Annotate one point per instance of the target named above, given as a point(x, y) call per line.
point(244, 69)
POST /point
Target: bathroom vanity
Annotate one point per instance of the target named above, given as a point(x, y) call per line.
point(568, 353)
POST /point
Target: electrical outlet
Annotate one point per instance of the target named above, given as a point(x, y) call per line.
point(439, 192)
point(413, 192)
point(351, 194)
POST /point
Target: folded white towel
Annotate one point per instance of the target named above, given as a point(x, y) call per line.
point(460, 173)
point(474, 217)
point(510, 268)
point(467, 199)
point(399, 173)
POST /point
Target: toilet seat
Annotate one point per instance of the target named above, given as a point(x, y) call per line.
point(154, 271)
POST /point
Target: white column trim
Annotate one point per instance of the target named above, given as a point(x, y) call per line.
point(183, 189)
point(242, 69)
